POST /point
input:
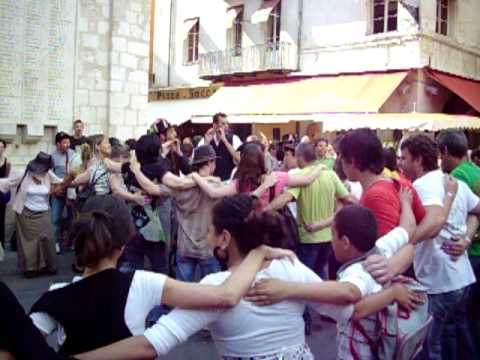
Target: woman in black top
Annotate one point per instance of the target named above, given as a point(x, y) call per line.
point(18, 336)
point(4, 197)
point(108, 305)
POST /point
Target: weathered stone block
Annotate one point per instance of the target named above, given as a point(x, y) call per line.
point(131, 88)
point(116, 86)
point(119, 100)
point(138, 102)
point(82, 98)
point(131, 17)
point(138, 76)
point(119, 44)
point(117, 73)
point(117, 116)
point(97, 98)
point(123, 28)
point(129, 61)
point(138, 48)
point(131, 117)
point(103, 27)
point(90, 40)
point(86, 83)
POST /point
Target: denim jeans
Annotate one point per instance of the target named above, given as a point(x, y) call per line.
point(58, 204)
point(186, 266)
point(133, 257)
point(449, 320)
point(315, 257)
point(473, 307)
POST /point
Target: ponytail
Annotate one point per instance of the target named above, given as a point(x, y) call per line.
point(250, 229)
point(104, 226)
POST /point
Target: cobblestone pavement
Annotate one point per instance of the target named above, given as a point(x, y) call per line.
point(200, 346)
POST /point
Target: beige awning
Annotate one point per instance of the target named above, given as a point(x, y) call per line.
point(401, 121)
point(365, 93)
point(188, 24)
point(232, 13)
point(262, 14)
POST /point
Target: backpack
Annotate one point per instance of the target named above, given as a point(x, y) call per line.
point(403, 332)
point(292, 238)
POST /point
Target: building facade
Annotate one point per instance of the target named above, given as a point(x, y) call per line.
point(62, 60)
point(198, 44)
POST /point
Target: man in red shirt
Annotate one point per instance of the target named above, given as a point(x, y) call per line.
point(361, 154)
point(362, 159)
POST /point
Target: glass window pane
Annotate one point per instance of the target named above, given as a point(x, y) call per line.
point(378, 26)
point(443, 29)
point(392, 23)
point(444, 12)
point(379, 10)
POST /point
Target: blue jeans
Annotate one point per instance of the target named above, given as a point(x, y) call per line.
point(133, 257)
point(449, 320)
point(473, 308)
point(58, 204)
point(185, 269)
point(315, 257)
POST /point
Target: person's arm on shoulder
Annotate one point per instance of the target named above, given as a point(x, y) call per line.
point(373, 303)
point(191, 295)
point(120, 192)
point(437, 210)
point(145, 183)
point(177, 183)
point(300, 180)
point(342, 193)
point(113, 166)
point(280, 201)
point(82, 179)
point(270, 180)
point(215, 192)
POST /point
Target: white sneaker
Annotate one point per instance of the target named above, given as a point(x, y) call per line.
point(57, 248)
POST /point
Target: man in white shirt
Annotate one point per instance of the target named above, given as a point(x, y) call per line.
point(225, 145)
point(447, 277)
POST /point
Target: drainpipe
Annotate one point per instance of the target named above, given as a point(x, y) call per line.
point(170, 44)
point(299, 38)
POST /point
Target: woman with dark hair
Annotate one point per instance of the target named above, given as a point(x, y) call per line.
point(107, 305)
point(244, 331)
point(251, 173)
point(5, 168)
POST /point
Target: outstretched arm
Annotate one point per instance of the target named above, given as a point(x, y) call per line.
point(191, 295)
point(133, 348)
point(297, 180)
point(215, 192)
point(279, 202)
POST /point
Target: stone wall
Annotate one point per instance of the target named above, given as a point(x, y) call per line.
point(113, 66)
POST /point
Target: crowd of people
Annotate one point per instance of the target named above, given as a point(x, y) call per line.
point(365, 235)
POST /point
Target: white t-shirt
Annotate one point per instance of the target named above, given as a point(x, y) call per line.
point(433, 267)
point(247, 330)
point(37, 197)
point(145, 292)
point(355, 274)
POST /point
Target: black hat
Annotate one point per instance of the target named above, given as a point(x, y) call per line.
point(203, 154)
point(160, 126)
point(41, 164)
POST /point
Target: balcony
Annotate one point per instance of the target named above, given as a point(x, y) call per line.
point(278, 56)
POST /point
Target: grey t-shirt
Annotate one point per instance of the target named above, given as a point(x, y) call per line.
point(61, 162)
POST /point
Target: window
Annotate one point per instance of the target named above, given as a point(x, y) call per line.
point(442, 17)
point(385, 13)
point(236, 33)
point(191, 43)
point(274, 27)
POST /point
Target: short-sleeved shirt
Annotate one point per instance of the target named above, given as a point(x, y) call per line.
point(279, 187)
point(76, 143)
point(62, 162)
point(194, 208)
point(383, 200)
point(469, 173)
point(355, 274)
point(316, 202)
point(433, 267)
point(145, 292)
point(247, 330)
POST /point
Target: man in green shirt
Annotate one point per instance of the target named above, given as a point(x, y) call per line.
point(321, 153)
point(453, 145)
point(315, 203)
